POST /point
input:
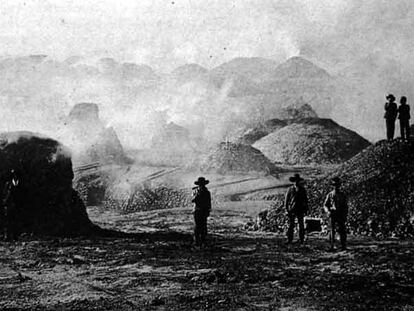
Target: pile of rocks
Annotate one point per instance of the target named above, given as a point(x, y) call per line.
point(89, 138)
point(379, 183)
point(47, 203)
point(145, 198)
point(231, 158)
point(286, 116)
point(312, 141)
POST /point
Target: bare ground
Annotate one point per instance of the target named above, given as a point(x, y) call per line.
point(155, 267)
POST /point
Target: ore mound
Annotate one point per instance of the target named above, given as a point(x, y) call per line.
point(231, 158)
point(379, 183)
point(286, 116)
point(47, 203)
point(146, 198)
point(90, 139)
point(311, 141)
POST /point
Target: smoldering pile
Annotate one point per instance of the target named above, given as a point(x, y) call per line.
point(231, 158)
point(47, 203)
point(311, 141)
point(146, 197)
point(379, 183)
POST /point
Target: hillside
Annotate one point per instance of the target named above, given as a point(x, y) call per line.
point(311, 141)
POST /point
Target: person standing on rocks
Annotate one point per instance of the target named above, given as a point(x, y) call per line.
point(404, 117)
point(390, 115)
point(336, 206)
point(10, 197)
point(296, 204)
point(202, 208)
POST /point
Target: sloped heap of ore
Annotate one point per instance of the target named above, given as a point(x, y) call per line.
point(379, 183)
point(231, 158)
point(46, 203)
point(311, 141)
point(145, 198)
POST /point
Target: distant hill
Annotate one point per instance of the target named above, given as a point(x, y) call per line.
point(311, 141)
point(188, 73)
point(299, 79)
point(299, 68)
point(255, 69)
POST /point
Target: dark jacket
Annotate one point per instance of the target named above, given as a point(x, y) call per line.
point(404, 112)
point(337, 204)
point(10, 195)
point(391, 111)
point(296, 200)
point(201, 200)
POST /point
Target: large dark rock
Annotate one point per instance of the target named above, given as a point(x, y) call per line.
point(47, 204)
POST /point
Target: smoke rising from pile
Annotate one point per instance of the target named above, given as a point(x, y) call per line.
point(368, 45)
point(38, 96)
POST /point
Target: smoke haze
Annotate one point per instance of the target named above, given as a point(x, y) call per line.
point(366, 47)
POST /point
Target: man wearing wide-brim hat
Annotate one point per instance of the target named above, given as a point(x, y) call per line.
point(202, 208)
point(336, 206)
point(390, 115)
point(296, 204)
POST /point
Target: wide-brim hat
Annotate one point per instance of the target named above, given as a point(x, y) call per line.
point(201, 181)
point(295, 178)
point(390, 96)
point(336, 181)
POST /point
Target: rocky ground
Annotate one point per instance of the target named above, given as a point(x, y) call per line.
point(153, 266)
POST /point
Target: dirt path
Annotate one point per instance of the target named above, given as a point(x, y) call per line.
point(156, 268)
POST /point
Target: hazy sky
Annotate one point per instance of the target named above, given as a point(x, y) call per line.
point(376, 36)
point(166, 33)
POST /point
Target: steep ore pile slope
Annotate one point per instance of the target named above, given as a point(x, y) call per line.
point(230, 158)
point(379, 183)
point(47, 203)
point(311, 141)
point(286, 116)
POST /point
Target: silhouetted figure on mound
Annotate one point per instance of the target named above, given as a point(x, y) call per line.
point(202, 208)
point(390, 115)
point(336, 206)
point(10, 206)
point(296, 204)
point(404, 117)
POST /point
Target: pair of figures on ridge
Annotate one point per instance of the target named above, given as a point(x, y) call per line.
point(335, 205)
point(391, 114)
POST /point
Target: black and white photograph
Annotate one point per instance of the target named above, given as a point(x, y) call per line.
point(206, 155)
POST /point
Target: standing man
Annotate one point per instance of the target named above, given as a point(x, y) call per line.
point(404, 116)
point(336, 206)
point(202, 208)
point(10, 197)
point(390, 115)
point(296, 204)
